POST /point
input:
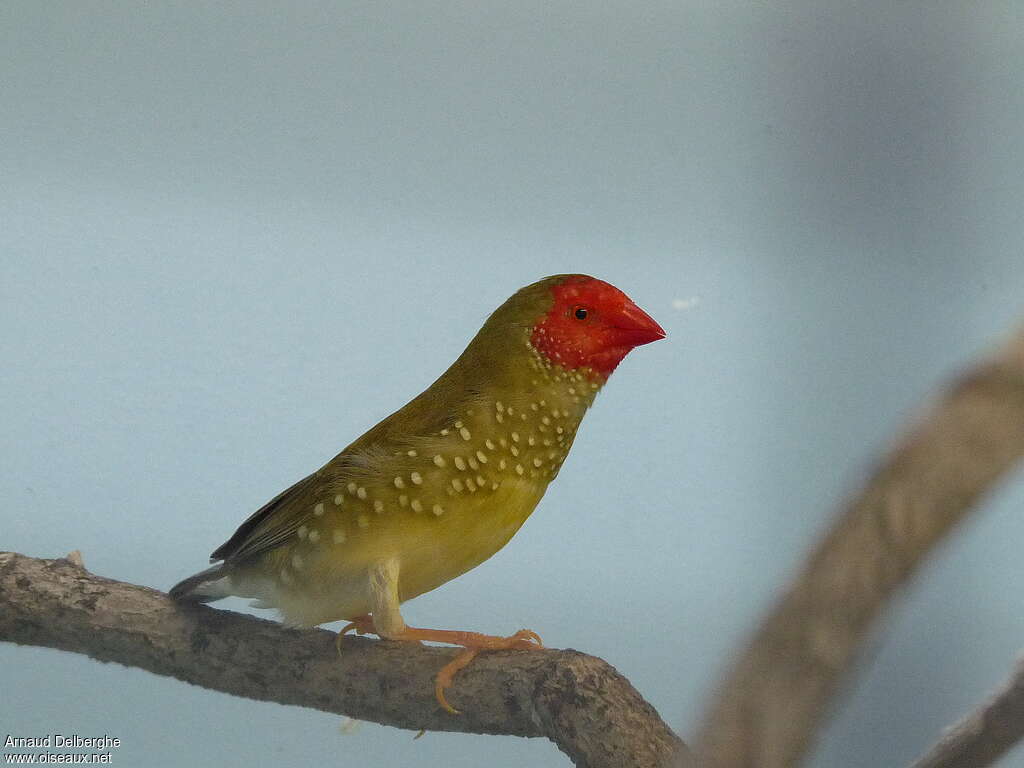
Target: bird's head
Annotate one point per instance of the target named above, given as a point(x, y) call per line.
point(590, 324)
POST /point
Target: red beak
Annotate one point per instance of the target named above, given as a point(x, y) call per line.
point(635, 327)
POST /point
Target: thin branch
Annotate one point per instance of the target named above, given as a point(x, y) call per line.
point(985, 735)
point(580, 702)
point(778, 691)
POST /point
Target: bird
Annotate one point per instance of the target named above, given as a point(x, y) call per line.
point(440, 485)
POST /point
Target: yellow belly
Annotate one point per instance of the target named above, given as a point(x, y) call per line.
point(333, 583)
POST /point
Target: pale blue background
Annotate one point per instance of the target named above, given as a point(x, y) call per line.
point(233, 236)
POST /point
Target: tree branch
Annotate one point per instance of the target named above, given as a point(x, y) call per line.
point(985, 735)
point(778, 691)
point(580, 702)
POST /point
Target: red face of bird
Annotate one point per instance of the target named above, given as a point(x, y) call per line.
point(592, 324)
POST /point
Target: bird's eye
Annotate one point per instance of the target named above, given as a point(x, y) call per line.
point(580, 313)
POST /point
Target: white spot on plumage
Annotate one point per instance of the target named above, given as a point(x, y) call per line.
point(519, 469)
point(437, 510)
point(378, 506)
point(490, 445)
point(481, 481)
point(318, 510)
point(416, 505)
point(470, 485)
point(537, 462)
point(439, 460)
point(314, 536)
point(460, 463)
point(473, 464)
point(502, 464)
point(465, 433)
point(399, 482)
point(339, 499)
point(417, 478)
point(457, 484)
point(515, 437)
point(302, 532)
point(351, 488)
point(481, 457)
point(361, 492)
point(411, 454)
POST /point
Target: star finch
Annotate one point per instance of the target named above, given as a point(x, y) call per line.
point(443, 483)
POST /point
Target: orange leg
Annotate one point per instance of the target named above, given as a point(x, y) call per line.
point(471, 642)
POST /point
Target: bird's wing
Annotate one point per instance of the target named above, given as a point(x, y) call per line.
point(270, 525)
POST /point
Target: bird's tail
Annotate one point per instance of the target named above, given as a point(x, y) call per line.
point(203, 587)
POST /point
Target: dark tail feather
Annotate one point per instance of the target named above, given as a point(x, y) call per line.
point(202, 587)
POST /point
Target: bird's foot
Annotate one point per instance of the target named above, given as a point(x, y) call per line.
point(472, 643)
point(360, 624)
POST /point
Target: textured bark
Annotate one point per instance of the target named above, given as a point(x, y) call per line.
point(984, 736)
point(581, 703)
point(779, 689)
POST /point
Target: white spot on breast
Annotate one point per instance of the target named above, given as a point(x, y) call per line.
point(443, 432)
point(514, 450)
point(460, 463)
point(339, 536)
point(457, 484)
point(465, 433)
point(338, 499)
point(499, 407)
point(437, 510)
point(490, 444)
point(537, 462)
point(399, 482)
point(411, 454)
point(302, 532)
point(351, 488)
point(473, 464)
point(481, 457)
point(458, 425)
point(378, 506)
point(480, 481)
point(416, 505)
point(439, 460)
point(502, 464)
point(511, 411)
point(417, 478)
point(361, 492)
point(314, 536)
point(515, 437)
point(519, 469)
point(531, 440)
point(318, 510)
point(470, 484)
